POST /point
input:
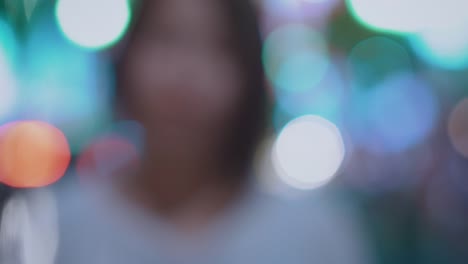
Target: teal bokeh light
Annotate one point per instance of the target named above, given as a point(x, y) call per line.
point(62, 84)
point(8, 62)
point(295, 57)
point(375, 58)
point(8, 43)
point(326, 99)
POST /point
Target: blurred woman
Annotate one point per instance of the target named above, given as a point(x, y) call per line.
point(190, 72)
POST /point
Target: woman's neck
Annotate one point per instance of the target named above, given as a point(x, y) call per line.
point(186, 195)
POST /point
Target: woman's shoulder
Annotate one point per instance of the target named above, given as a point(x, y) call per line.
point(316, 225)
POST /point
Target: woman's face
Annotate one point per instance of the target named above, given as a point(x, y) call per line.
point(180, 75)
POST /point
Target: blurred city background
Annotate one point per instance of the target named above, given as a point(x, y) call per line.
point(371, 100)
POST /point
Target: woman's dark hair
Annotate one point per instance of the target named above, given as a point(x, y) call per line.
point(253, 112)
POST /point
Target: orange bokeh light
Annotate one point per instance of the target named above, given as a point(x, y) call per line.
point(32, 154)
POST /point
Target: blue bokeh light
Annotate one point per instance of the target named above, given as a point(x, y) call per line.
point(397, 114)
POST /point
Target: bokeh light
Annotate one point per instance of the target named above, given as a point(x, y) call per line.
point(393, 121)
point(315, 12)
point(32, 154)
point(445, 48)
point(374, 59)
point(106, 156)
point(8, 87)
point(8, 42)
point(62, 84)
point(308, 152)
point(325, 99)
point(295, 57)
point(398, 120)
point(458, 127)
point(389, 15)
point(93, 23)
point(401, 16)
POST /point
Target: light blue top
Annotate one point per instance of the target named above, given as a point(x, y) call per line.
point(100, 228)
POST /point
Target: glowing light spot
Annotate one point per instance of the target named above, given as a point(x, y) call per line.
point(380, 14)
point(105, 156)
point(93, 23)
point(295, 57)
point(32, 154)
point(412, 16)
point(313, 11)
point(446, 48)
point(308, 152)
point(325, 99)
point(437, 31)
point(8, 87)
point(374, 59)
point(394, 121)
point(60, 75)
point(458, 128)
point(8, 43)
